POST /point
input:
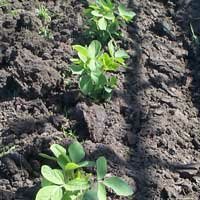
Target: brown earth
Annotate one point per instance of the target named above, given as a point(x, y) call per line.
point(149, 132)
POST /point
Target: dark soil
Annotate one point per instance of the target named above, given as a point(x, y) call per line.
point(149, 132)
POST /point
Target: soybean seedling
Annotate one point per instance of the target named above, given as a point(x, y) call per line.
point(105, 19)
point(72, 182)
point(92, 66)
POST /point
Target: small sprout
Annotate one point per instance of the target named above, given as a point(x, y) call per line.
point(46, 33)
point(43, 14)
point(72, 182)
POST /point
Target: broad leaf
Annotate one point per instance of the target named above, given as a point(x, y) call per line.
point(77, 69)
point(71, 166)
point(101, 191)
point(77, 184)
point(76, 152)
point(82, 52)
point(102, 24)
point(96, 13)
point(121, 54)
point(94, 49)
point(119, 186)
point(101, 167)
point(125, 14)
point(109, 16)
point(90, 195)
point(86, 85)
point(53, 175)
point(60, 154)
point(111, 48)
point(45, 182)
point(50, 193)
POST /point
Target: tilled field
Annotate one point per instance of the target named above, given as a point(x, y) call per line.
point(149, 131)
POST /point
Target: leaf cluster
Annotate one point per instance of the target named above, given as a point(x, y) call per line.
point(105, 19)
point(92, 65)
point(71, 182)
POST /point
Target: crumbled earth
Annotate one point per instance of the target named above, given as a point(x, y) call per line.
point(149, 131)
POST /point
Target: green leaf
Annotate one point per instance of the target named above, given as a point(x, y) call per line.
point(45, 182)
point(101, 192)
point(125, 14)
point(90, 195)
point(71, 166)
point(86, 85)
point(87, 164)
point(119, 186)
point(77, 69)
point(77, 184)
point(82, 52)
point(121, 54)
point(53, 175)
point(102, 81)
point(76, 152)
point(101, 167)
point(102, 24)
point(47, 156)
point(109, 16)
point(96, 13)
point(61, 154)
point(111, 48)
point(94, 48)
point(50, 193)
point(92, 65)
point(108, 90)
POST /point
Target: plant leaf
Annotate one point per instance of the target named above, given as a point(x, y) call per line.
point(90, 195)
point(82, 52)
point(86, 85)
point(50, 193)
point(121, 54)
point(101, 191)
point(53, 175)
point(61, 154)
point(71, 166)
point(94, 48)
point(96, 13)
point(119, 186)
point(76, 152)
point(45, 182)
point(102, 24)
point(125, 14)
point(101, 167)
point(77, 69)
point(77, 184)
point(111, 48)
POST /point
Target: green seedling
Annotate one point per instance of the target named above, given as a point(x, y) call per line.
point(105, 18)
point(43, 14)
point(46, 32)
point(92, 66)
point(72, 182)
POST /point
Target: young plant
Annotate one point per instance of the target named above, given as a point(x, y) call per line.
point(43, 14)
point(105, 18)
point(46, 32)
point(92, 66)
point(71, 182)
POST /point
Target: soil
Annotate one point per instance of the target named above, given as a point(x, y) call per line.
point(149, 131)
